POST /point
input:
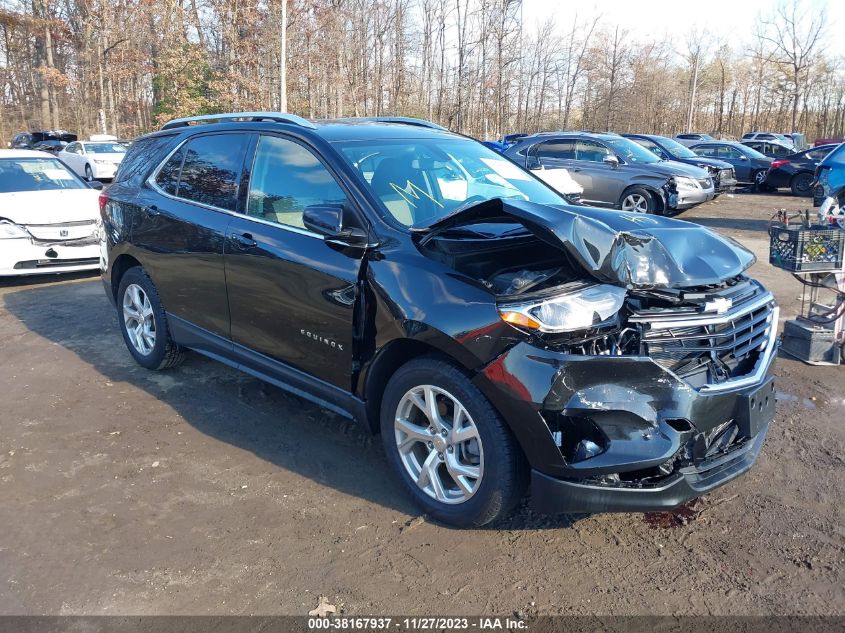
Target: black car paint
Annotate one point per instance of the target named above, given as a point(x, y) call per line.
point(710, 164)
point(802, 164)
point(745, 167)
point(332, 322)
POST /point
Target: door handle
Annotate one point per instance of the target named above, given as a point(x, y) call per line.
point(243, 240)
point(152, 210)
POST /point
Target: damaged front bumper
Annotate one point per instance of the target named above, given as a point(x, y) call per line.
point(623, 434)
point(31, 257)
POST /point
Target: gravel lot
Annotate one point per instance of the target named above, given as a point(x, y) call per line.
point(204, 491)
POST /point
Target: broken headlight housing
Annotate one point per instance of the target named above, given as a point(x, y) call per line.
point(10, 230)
point(574, 311)
point(686, 183)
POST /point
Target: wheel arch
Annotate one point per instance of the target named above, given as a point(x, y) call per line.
point(118, 268)
point(656, 196)
point(385, 363)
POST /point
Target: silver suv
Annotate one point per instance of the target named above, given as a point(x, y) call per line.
point(614, 171)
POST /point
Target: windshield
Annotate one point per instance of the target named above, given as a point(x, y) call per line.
point(676, 148)
point(35, 174)
point(631, 152)
point(420, 181)
point(105, 148)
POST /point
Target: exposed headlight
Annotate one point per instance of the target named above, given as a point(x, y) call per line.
point(682, 182)
point(569, 312)
point(9, 231)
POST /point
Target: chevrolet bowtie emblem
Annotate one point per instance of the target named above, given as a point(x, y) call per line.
point(719, 305)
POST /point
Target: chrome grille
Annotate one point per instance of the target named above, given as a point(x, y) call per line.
point(705, 183)
point(707, 349)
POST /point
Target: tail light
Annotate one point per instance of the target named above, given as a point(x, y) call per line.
point(104, 200)
point(779, 163)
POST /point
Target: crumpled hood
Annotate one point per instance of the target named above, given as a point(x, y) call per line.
point(625, 249)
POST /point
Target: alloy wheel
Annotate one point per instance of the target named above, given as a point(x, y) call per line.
point(439, 444)
point(803, 184)
point(138, 319)
point(635, 202)
point(760, 177)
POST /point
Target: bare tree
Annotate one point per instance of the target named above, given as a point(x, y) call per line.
point(794, 32)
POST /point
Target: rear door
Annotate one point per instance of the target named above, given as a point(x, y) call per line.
point(292, 295)
point(554, 161)
point(182, 224)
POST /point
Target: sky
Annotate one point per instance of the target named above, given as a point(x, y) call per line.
point(731, 20)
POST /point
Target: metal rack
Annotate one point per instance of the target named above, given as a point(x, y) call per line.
point(814, 256)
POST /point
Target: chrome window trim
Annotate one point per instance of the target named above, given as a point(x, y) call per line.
point(151, 182)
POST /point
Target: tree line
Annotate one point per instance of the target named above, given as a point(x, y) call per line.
point(125, 66)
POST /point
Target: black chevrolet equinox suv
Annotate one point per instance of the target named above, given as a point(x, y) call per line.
point(418, 282)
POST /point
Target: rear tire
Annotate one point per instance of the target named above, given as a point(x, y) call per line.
point(637, 200)
point(143, 323)
point(460, 464)
point(802, 184)
point(758, 179)
point(89, 175)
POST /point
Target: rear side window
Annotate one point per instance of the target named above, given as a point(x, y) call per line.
point(142, 156)
point(168, 175)
point(211, 170)
point(562, 149)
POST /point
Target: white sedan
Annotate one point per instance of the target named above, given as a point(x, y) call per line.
point(48, 216)
point(93, 160)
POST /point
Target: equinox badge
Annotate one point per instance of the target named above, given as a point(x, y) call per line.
point(322, 339)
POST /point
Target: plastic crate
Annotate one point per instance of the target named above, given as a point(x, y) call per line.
point(800, 249)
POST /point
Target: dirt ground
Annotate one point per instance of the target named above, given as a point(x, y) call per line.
point(204, 491)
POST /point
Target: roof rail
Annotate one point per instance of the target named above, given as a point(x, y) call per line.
point(278, 117)
point(405, 120)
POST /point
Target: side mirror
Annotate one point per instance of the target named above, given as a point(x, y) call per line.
point(611, 160)
point(96, 184)
point(327, 220)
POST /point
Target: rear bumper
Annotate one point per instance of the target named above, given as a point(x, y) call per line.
point(550, 495)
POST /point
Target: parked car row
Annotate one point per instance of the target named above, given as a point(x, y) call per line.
point(95, 159)
point(613, 171)
point(598, 172)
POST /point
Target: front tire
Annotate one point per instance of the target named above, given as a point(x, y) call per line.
point(143, 322)
point(637, 200)
point(448, 445)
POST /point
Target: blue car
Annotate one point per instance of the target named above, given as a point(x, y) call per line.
point(830, 175)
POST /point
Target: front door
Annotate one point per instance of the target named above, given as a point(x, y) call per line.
point(607, 181)
point(292, 296)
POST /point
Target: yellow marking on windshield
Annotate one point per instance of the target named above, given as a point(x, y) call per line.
point(410, 190)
